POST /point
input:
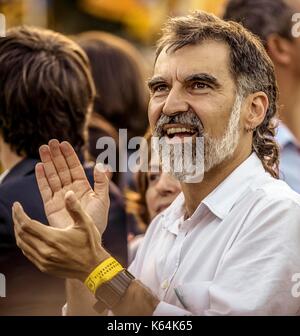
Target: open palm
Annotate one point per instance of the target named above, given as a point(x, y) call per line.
point(61, 171)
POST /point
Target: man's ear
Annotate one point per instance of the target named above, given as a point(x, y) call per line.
point(279, 49)
point(257, 107)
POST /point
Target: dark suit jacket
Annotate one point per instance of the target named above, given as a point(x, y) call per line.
point(28, 291)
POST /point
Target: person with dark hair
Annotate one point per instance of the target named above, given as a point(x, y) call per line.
point(119, 72)
point(46, 92)
point(273, 22)
point(122, 102)
point(230, 242)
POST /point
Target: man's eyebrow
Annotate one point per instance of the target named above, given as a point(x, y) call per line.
point(155, 80)
point(203, 77)
point(198, 76)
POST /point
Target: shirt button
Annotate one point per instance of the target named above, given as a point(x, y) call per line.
point(165, 284)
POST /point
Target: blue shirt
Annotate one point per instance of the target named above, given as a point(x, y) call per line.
point(289, 157)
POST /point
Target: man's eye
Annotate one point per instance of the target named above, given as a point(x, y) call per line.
point(160, 88)
point(199, 85)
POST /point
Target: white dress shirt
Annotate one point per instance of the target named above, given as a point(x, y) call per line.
point(3, 175)
point(236, 255)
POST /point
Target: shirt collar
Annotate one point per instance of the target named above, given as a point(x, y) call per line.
point(284, 136)
point(3, 175)
point(221, 200)
point(173, 215)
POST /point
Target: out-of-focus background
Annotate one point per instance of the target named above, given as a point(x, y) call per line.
point(138, 21)
point(135, 19)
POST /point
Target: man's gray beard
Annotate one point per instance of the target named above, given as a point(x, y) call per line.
point(215, 151)
point(180, 159)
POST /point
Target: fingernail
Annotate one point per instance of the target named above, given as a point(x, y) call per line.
point(101, 167)
point(64, 144)
point(44, 148)
point(53, 142)
point(16, 205)
point(70, 196)
point(39, 165)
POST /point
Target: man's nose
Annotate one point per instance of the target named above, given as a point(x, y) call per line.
point(175, 103)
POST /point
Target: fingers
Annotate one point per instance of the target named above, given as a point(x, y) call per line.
point(30, 253)
point(82, 219)
point(24, 224)
point(60, 163)
point(61, 167)
point(49, 169)
point(42, 182)
point(29, 249)
point(75, 210)
point(40, 253)
point(19, 216)
point(101, 182)
point(56, 169)
point(73, 162)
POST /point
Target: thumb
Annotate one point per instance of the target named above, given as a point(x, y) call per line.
point(19, 215)
point(101, 182)
point(75, 210)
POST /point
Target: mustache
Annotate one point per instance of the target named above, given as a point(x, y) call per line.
point(188, 118)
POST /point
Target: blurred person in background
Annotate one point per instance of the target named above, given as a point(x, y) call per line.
point(119, 73)
point(98, 128)
point(46, 92)
point(272, 21)
point(156, 191)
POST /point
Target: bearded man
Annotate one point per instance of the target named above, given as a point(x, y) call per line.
point(229, 243)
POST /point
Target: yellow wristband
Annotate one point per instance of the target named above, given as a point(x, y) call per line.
point(103, 273)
